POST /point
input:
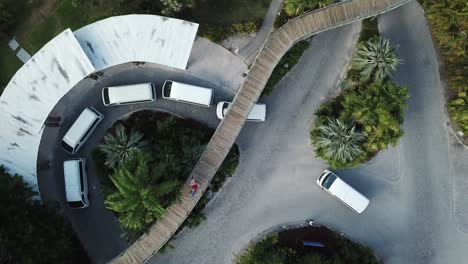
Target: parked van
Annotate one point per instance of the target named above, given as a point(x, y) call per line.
point(187, 93)
point(257, 114)
point(331, 183)
point(76, 183)
point(128, 94)
point(80, 131)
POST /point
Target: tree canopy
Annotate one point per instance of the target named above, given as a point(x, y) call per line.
point(31, 232)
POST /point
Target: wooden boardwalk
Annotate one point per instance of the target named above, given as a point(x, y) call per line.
point(278, 44)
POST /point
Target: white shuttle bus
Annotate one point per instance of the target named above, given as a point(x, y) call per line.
point(128, 94)
point(331, 183)
point(76, 183)
point(81, 129)
point(187, 93)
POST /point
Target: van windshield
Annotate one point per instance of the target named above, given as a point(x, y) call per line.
point(328, 181)
point(67, 147)
point(78, 204)
point(167, 89)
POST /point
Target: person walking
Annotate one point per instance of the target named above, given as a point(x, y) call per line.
point(194, 186)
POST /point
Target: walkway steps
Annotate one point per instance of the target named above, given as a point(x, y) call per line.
point(225, 135)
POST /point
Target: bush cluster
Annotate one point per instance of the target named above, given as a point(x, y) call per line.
point(366, 117)
point(271, 250)
point(449, 25)
point(144, 161)
point(220, 33)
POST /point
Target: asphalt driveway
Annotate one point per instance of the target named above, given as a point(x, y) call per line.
point(416, 214)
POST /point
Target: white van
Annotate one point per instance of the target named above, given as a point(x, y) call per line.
point(128, 94)
point(331, 183)
point(76, 183)
point(187, 93)
point(80, 131)
point(257, 114)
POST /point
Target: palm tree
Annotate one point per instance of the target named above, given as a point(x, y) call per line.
point(139, 198)
point(118, 147)
point(376, 59)
point(338, 143)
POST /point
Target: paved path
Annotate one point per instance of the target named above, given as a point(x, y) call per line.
point(248, 52)
point(416, 214)
point(97, 227)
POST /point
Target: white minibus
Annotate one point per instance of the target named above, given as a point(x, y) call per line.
point(187, 93)
point(331, 183)
point(76, 183)
point(256, 114)
point(128, 94)
point(81, 129)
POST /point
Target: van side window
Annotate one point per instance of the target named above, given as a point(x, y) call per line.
point(89, 129)
point(167, 89)
point(81, 176)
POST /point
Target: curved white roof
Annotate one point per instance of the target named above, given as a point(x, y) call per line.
point(148, 38)
point(31, 95)
point(67, 59)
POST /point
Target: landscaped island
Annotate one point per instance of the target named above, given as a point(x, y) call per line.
point(366, 117)
point(288, 247)
point(143, 162)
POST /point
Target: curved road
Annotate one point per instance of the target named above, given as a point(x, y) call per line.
point(97, 228)
point(418, 209)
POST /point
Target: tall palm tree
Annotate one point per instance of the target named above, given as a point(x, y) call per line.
point(119, 146)
point(139, 198)
point(376, 59)
point(338, 143)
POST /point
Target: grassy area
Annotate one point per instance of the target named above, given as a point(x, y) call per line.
point(285, 65)
point(227, 12)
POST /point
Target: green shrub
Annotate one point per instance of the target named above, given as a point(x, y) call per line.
point(298, 7)
point(449, 25)
point(377, 109)
point(220, 33)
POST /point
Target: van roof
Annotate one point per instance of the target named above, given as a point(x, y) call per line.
point(349, 195)
point(71, 172)
point(80, 126)
point(191, 93)
point(258, 112)
point(130, 93)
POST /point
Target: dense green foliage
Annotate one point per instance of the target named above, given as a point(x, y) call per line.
point(286, 63)
point(293, 8)
point(31, 232)
point(10, 12)
point(217, 33)
point(449, 24)
point(142, 192)
point(120, 145)
point(270, 250)
point(150, 179)
point(339, 143)
point(297, 7)
point(376, 59)
point(370, 102)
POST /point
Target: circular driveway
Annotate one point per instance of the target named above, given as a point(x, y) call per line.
point(97, 227)
point(415, 213)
